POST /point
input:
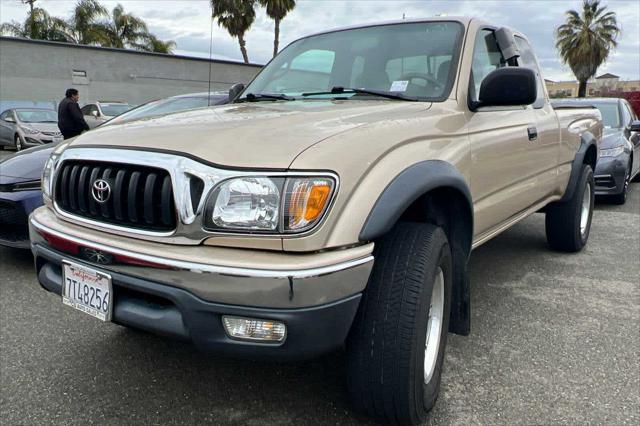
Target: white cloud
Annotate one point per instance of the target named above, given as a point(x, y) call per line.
point(188, 23)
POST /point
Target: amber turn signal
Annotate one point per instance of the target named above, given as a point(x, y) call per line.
point(306, 201)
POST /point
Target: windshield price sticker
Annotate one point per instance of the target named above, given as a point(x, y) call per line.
point(399, 86)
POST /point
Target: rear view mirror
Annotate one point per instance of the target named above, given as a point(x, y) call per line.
point(235, 91)
point(510, 86)
point(10, 120)
point(635, 126)
point(94, 113)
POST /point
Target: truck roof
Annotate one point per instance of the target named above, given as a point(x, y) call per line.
point(464, 20)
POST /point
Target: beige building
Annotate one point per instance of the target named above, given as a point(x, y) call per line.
point(598, 86)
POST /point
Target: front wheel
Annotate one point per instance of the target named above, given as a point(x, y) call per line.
point(568, 223)
point(397, 343)
point(621, 198)
point(17, 142)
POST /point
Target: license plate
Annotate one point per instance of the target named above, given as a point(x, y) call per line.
point(87, 290)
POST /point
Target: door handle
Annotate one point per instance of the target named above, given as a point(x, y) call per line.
point(532, 132)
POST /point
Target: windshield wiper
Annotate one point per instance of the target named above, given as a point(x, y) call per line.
point(256, 97)
point(383, 94)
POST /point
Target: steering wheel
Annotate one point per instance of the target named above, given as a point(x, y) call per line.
point(416, 75)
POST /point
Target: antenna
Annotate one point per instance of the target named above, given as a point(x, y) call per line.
point(210, 62)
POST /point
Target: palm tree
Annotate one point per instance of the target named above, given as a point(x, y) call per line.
point(31, 21)
point(125, 30)
point(39, 25)
point(86, 22)
point(277, 10)
point(585, 41)
point(156, 45)
point(236, 16)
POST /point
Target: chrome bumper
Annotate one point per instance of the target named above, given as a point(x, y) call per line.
point(317, 281)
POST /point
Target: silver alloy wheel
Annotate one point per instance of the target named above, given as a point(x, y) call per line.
point(18, 143)
point(586, 210)
point(434, 326)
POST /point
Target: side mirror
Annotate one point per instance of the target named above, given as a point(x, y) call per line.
point(235, 91)
point(510, 86)
point(635, 126)
point(94, 113)
point(10, 120)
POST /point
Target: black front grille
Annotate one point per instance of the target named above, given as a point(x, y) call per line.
point(139, 196)
point(606, 181)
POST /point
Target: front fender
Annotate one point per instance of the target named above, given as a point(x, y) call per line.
point(406, 188)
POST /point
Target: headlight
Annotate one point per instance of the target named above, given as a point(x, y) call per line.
point(47, 175)
point(612, 152)
point(30, 131)
point(268, 204)
point(248, 203)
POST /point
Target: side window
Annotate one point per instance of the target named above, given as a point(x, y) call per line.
point(486, 58)
point(94, 108)
point(4, 115)
point(527, 59)
point(311, 70)
point(85, 109)
point(314, 61)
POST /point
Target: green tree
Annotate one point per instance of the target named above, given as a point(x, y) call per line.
point(154, 44)
point(236, 16)
point(277, 10)
point(585, 40)
point(32, 29)
point(38, 25)
point(87, 22)
point(125, 30)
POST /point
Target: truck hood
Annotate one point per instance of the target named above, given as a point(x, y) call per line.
point(251, 135)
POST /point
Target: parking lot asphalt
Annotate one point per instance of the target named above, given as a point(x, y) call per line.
point(555, 340)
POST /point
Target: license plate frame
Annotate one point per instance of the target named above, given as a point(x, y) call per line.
point(84, 277)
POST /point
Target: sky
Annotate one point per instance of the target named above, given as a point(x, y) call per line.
point(188, 23)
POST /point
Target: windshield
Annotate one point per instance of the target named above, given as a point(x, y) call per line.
point(409, 59)
point(37, 116)
point(112, 110)
point(610, 114)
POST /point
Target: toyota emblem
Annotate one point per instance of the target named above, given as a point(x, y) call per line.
point(101, 190)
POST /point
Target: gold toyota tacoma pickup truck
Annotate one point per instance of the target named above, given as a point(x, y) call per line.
point(334, 201)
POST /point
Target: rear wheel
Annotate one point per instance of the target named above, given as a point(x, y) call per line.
point(568, 223)
point(17, 142)
point(397, 343)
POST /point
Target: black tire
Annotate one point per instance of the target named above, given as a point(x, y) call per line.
point(17, 143)
point(563, 219)
point(386, 346)
point(621, 198)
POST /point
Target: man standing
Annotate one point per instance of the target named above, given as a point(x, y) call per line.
point(70, 119)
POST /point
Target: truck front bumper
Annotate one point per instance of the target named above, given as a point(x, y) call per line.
point(187, 301)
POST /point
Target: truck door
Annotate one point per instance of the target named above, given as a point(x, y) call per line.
point(502, 140)
point(544, 150)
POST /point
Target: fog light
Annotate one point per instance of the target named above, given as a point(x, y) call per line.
point(254, 329)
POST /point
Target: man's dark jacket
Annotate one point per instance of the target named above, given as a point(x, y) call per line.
point(70, 119)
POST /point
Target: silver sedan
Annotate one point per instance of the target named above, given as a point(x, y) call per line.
point(26, 127)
